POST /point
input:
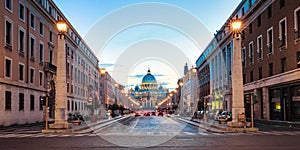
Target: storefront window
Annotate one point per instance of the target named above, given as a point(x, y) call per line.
point(275, 105)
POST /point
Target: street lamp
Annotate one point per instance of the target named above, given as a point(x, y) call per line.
point(181, 97)
point(102, 109)
point(116, 92)
point(237, 75)
point(61, 27)
point(61, 90)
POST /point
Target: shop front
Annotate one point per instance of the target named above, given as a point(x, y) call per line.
point(285, 102)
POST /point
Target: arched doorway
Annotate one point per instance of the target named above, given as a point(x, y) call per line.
point(52, 100)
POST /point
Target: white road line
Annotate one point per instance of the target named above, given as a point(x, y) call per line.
point(202, 133)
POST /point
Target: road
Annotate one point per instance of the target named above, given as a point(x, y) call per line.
point(152, 133)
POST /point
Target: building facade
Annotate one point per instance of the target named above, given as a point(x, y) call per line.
point(28, 54)
point(190, 88)
point(271, 60)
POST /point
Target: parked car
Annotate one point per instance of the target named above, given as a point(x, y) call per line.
point(146, 113)
point(160, 113)
point(225, 116)
point(198, 115)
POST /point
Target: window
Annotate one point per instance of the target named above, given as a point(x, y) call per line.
point(21, 101)
point(41, 47)
point(270, 40)
point(283, 64)
point(71, 89)
point(67, 69)
point(298, 59)
point(259, 21)
point(259, 47)
point(31, 102)
point(243, 11)
point(270, 11)
point(297, 23)
point(7, 100)
point(32, 21)
point(244, 57)
point(21, 72)
point(8, 34)
point(68, 86)
point(260, 73)
point(243, 35)
point(21, 12)
point(72, 106)
point(281, 3)
point(68, 105)
point(31, 75)
point(8, 5)
point(250, 28)
point(41, 29)
point(50, 55)
point(50, 36)
point(270, 69)
point(41, 78)
point(21, 41)
point(282, 33)
point(250, 3)
point(251, 53)
point(32, 47)
point(251, 76)
point(8, 67)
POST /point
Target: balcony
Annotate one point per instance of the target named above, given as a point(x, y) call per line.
point(282, 43)
point(49, 67)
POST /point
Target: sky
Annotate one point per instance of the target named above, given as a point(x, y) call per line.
point(130, 36)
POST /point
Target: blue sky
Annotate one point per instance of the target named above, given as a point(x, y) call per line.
point(171, 37)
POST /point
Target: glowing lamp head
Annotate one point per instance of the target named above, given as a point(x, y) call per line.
point(61, 27)
point(194, 70)
point(102, 71)
point(180, 84)
point(236, 26)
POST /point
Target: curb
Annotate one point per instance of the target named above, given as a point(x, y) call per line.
point(205, 128)
point(85, 127)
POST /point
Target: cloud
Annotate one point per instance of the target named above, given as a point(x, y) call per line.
point(142, 75)
point(105, 65)
point(163, 83)
point(159, 75)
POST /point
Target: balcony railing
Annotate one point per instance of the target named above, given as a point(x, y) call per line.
point(49, 67)
point(282, 43)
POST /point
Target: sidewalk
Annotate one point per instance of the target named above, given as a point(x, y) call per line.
point(214, 126)
point(87, 127)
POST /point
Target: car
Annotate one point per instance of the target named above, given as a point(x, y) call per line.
point(160, 113)
point(198, 115)
point(153, 113)
point(147, 114)
point(225, 116)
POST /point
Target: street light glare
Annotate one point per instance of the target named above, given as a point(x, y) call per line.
point(61, 27)
point(236, 25)
point(102, 71)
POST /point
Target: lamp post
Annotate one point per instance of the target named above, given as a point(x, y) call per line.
point(181, 97)
point(237, 76)
point(61, 90)
point(102, 109)
point(116, 93)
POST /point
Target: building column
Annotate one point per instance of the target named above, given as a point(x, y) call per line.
point(61, 89)
point(266, 103)
point(237, 81)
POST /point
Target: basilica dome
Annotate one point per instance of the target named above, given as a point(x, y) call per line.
point(149, 78)
point(149, 82)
